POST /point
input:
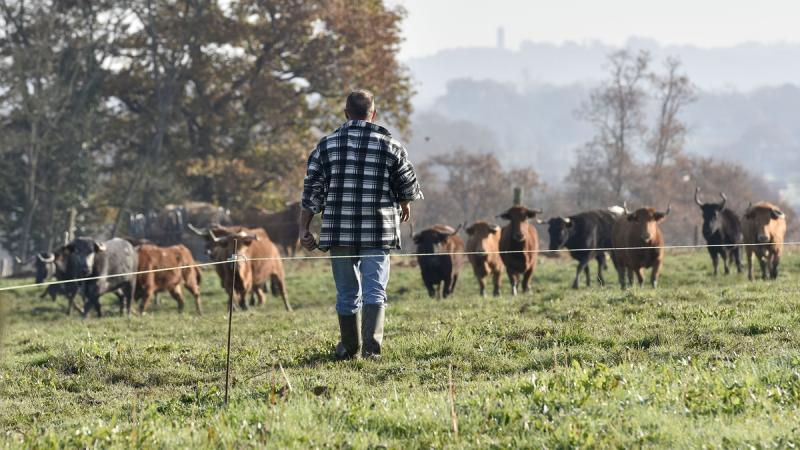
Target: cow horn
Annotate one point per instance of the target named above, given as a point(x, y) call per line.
point(494, 227)
point(213, 237)
point(198, 231)
point(669, 208)
point(46, 257)
point(567, 220)
point(724, 200)
point(456, 230)
point(625, 207)
point(778, 212)
point(697, 197)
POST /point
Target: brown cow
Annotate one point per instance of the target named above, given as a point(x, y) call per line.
point(638, 229)
point(764, 224)
point(521, 238)
point(152, 257)
point(282, 227)
point(439, 269)
point(483, 246)
point(258, 262)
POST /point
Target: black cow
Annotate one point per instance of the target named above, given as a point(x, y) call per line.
point(721, 227)
point(45, 266)
point(86, 258)
point(439, 269)
point(587, 230)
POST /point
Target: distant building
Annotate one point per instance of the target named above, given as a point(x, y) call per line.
point(501, 38)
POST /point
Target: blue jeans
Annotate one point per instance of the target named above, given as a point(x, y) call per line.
point(362, 278)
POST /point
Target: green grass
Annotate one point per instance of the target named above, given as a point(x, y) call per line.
point(700, 361)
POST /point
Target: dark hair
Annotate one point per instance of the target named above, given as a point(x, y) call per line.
point(360, 103)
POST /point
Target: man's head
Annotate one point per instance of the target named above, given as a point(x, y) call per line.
point(360, 106)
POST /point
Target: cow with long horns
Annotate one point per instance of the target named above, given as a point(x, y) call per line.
point(439, 270)
point(764, 228)
point(519, 245)
point(722, 231)
point(638, 245)
point(257, 263)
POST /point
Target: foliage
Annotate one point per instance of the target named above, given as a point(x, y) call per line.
point(699, 362)
point(461, 187)
point(113, 107)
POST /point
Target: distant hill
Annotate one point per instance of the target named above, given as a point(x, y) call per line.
point(744, 67)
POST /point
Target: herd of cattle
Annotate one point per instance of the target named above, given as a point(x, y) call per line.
point(632, 238)
point(248, 261)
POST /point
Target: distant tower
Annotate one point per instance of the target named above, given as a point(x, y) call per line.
point(501, 38)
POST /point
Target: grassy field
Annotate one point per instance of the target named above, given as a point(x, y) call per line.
point(699, 362)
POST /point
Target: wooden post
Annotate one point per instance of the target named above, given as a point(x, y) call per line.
point(69, 235)
point(517, 196)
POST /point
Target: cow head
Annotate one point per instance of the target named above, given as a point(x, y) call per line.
point(518, 215)
point(763, 214)
point(426, 240)
point(480, 231)
point(645, 223)
point(80, 255)
point(559, 229)
point(711, 211)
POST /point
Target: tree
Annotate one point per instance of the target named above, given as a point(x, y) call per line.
point(673, 91)
point(51, 74)
point(616, 110)
point(461, 187)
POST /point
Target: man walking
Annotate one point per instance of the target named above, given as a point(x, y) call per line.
point(360, 180)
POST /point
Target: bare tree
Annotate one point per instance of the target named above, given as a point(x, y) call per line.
point(616, 110)
point(673, 91)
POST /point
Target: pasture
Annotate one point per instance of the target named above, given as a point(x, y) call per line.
point(699, 361)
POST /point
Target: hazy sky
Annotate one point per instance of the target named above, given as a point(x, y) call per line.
point(436, 24)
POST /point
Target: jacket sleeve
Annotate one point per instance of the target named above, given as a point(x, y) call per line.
point(403, 178)
point(314, 184)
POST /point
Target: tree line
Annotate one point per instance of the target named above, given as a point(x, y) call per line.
point(111, 106)
point(636, 156)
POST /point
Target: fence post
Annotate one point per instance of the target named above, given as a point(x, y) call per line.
point(517, 196)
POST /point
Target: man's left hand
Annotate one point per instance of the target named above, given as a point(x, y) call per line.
point(308, 241)
point(405, 211)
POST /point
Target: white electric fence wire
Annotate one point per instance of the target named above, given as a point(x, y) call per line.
point(395, 255)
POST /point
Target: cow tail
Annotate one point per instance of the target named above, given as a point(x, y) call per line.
point(198, 275)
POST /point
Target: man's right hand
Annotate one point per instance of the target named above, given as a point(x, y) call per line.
point(405, 211)
point(308, 241)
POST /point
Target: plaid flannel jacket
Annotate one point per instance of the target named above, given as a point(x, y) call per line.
point(356, 178)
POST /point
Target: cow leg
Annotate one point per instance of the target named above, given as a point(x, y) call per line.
point(655, 274)
point(588, 276)
point(260, 293)
point(453, 286)
point(630, 277)
point(737, 257)
point(621, 276)
point(482, 285)
point(749, 253)
point(727, 257)
point(526, 280)
point(147, 295)
point(773, 272)
point(496, 282)
point(512, 279)
point(578, 270)
point(177, 293)
point(762, 260)
point(715, 261)
point(194, 289)
point(601, 265)
point(640, 276)
point(279, 288)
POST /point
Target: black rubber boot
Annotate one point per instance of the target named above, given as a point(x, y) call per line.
point(372, 330)
point(350, 345)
